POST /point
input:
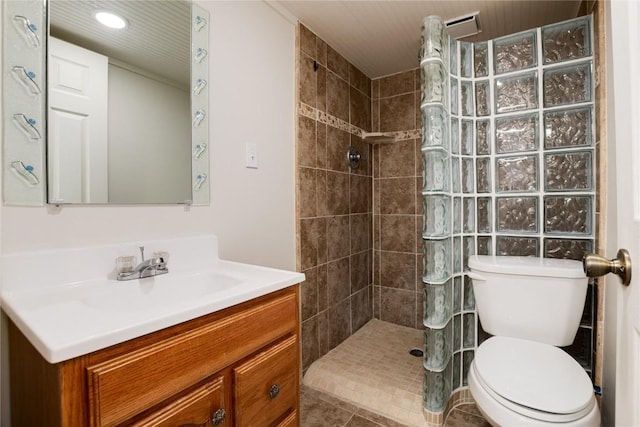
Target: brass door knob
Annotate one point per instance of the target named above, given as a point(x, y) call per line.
point(595, 266)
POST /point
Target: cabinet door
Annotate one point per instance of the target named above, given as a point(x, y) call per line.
point(266, 385)
point(204, 406)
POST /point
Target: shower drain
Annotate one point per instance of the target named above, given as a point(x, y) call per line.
point(416, 352)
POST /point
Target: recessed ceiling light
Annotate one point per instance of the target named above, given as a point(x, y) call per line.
point(110, 19)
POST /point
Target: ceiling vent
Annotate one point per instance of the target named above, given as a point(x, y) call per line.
point(463, 26)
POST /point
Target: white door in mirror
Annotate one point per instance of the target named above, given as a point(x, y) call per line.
point(251, 151)
point(77, 121)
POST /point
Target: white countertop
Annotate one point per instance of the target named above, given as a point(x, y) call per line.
point(70, 318)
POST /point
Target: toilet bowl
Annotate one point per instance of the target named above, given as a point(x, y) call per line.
point(523, 383)
point(519, 377)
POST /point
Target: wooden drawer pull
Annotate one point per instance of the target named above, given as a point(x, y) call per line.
point(274, 390)
point(218, 417)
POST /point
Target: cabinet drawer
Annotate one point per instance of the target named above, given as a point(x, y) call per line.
point(199, 407)
point(127, 385)
point(266, 385)
point(290, 421)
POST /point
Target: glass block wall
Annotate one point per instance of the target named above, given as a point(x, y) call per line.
point(508, 154)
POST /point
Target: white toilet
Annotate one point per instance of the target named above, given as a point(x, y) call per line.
point(519, 377)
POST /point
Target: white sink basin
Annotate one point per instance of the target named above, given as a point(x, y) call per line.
point(157, 291)
point(68, 303)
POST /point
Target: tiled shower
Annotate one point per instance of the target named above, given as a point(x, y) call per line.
point(334, 201)
point(503, 164)
point(508, 152)
point(360, 239)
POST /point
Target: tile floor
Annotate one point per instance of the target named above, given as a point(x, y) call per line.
point(318, 409)
point(371, 380)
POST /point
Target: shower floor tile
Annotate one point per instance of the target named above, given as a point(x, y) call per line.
point(373, 370)
point(371, 380)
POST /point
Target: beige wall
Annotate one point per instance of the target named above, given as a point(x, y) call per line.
point(149, 134)
point(251, 211)
point(252, 101)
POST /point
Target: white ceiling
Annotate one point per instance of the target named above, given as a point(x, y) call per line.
point(378, 37)
point(383, 37)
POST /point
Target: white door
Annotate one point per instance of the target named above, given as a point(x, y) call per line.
point(625, 65)
point(77, 124)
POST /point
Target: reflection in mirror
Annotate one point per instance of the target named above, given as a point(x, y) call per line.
point(119, 103)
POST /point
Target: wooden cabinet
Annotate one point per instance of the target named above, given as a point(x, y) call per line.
point(265, 385)
point(235, 367)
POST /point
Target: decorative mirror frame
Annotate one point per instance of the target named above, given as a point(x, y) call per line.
point(24, 99)
point(199, 105)
point(24, 103)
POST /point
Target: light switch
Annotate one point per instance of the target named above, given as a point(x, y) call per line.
point(251, 151)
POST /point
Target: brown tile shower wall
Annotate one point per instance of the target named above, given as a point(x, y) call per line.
point(397, 170)
point(334, 202)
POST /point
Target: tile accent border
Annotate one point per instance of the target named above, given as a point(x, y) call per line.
point(337, 123)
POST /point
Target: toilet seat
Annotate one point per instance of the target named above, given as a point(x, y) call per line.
point(535, 380)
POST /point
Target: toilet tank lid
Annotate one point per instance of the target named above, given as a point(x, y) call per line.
point(527, 266)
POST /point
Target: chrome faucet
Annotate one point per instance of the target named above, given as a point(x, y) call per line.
point(147, 268)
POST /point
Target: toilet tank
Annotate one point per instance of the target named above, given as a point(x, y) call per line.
point(538, 299)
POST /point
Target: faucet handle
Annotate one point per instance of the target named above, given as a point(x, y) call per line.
point(125, 264)
point(141, 252)
point(162, 254)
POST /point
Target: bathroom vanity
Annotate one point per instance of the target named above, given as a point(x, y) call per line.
point(236, 367)
point(211, 343)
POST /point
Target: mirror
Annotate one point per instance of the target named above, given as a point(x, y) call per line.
point(125, 117)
